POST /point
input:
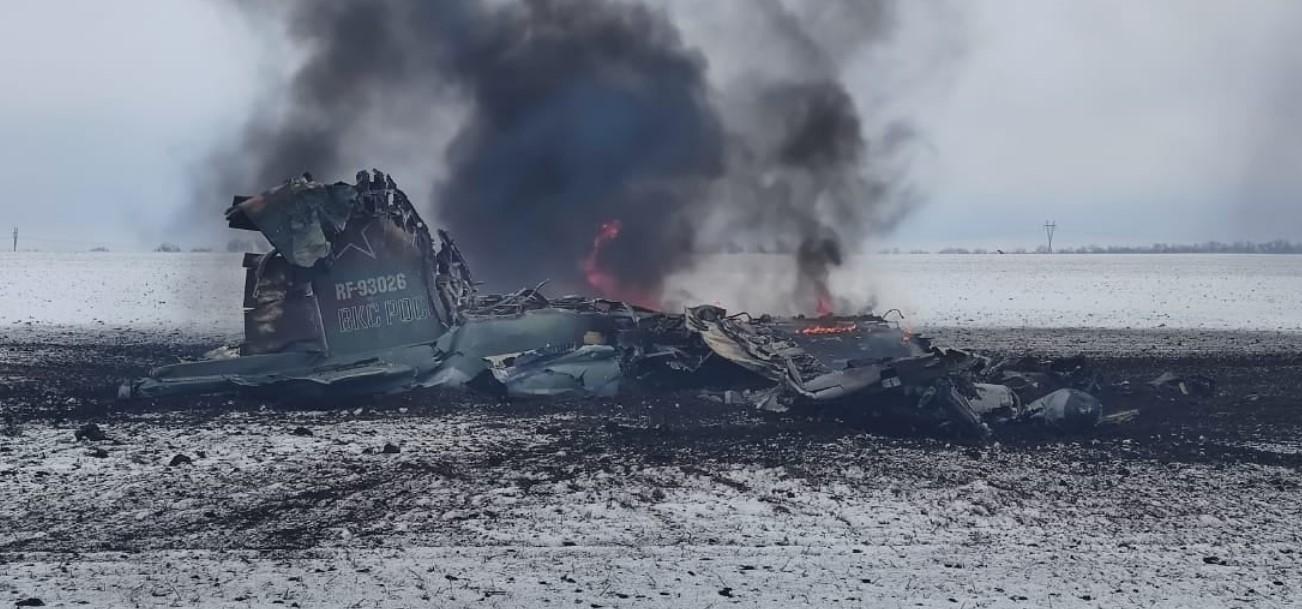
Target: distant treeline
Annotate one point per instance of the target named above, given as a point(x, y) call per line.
point(234, 245)
point(1278, 246)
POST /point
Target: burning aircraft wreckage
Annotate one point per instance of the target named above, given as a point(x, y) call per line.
point(358, 297)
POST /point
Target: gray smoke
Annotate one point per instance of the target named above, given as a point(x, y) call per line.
point(582, 113)
point(804, 175)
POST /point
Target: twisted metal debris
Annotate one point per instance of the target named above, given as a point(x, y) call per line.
point(354, 298)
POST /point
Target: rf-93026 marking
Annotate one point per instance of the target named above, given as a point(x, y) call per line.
point(371, 286)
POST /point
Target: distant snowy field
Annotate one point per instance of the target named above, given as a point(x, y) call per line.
point(1193, 291)
point(201, 292)
point(191, 292)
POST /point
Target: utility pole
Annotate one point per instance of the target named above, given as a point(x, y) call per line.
point(1049, 227)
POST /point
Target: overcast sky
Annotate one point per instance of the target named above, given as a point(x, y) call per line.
point(1126, 122)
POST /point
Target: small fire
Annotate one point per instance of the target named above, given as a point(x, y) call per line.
point(604, 281)
point(824, 307)
point(600, 279)
point(824, 329)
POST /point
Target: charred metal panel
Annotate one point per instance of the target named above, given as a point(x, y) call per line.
point(845, 342)
point(279, 312)
point(352, 270)
point(276, 326)
point(270, 280)
point(468, 344)
point(375, 294)
point(299, 218)
point(586, 370)
point(237, 218)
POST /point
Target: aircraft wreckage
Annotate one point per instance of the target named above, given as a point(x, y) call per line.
point(358, 297)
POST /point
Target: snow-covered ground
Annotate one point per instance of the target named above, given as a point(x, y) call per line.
point(486, 510)
point(201, 292)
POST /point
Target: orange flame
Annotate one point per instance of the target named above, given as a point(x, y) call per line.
point(824, 307)
point(603, 281)
point(600, 279)
point(821, 330)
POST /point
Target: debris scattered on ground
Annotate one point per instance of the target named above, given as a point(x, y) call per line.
point(180, 460)
point(390, 449)
point(1067, 409)
point(496, 475)
point(9, 427)
point(1193, 384)
point(357, 297)
point(1120, 417)
point(90, 432)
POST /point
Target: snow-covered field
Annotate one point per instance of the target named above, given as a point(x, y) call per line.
point(489, 510)
point(190, 292)
point(201, 292)
point(1194, 291)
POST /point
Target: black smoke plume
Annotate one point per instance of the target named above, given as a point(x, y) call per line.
point(584, 112)
point(814, 261)
point(580, 116)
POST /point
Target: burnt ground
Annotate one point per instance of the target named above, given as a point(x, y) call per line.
point(612, 502)
point(68, 379)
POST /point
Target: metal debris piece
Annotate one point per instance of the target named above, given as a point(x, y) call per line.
point(998, 400)
point(91, 432)
point(1194, 384)
point(587, 370)
point(1066, 409)
point(300, 218)
point(1118, 418)
point(863, 359)
point(347, 298)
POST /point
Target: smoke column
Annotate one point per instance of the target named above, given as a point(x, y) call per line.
point(583, 115)
point(803, 175)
